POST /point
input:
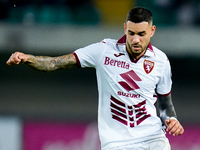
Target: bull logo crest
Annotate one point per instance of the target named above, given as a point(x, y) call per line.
point(148, 66)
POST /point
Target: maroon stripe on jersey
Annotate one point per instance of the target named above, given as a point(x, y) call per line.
point(130, 112)
point(77, 59)
point(131, 118)
point(129, 76)
point(125, 86)
point(140, 109)
point(118, 108)
point(118, 113)
point(143, 118)
point(132, 125)
point(140, 104)
point(140, 114)
point(130, 107)
point(117, 101)
point(120, 120)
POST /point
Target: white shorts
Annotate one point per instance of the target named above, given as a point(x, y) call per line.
point(154, 144)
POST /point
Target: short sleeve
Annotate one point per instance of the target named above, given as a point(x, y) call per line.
point(165, 82)
point(89, 56)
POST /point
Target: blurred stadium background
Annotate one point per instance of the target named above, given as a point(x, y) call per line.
point(58, 111)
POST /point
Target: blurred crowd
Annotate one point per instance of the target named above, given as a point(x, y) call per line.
point(174, 12)
point(48, 11)
point(167, 12)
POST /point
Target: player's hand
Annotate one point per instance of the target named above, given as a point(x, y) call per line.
point(17, 58)
point(174, 127)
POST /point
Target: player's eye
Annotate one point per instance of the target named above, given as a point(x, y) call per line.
point(131, 33)
point(142, 33)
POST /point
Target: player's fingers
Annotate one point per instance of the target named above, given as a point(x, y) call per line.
point(176, 128)
point(169, 123)
point(22, 57)
point(171, 127)
point(182, 131)
point(14, 58)
point(10, 60)
point(179, 131)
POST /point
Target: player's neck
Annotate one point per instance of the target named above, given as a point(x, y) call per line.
point(135, 56)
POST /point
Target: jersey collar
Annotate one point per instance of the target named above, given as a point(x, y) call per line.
point(149, 52)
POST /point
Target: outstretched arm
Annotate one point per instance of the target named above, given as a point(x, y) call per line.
point(43, 63)
point(168, 115)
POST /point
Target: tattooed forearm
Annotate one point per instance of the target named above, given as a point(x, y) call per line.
point(45, 63)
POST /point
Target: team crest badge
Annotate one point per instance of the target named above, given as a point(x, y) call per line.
point(148, 66)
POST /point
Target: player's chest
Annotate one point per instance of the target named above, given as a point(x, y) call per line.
point(118, 67)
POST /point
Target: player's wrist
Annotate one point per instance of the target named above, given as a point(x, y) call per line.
point(28, 58)
point(173, 118)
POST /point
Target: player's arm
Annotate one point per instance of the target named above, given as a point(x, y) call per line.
point(43, 63)
point(166, 107)
point(168, 115)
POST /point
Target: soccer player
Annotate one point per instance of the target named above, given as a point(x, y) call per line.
point(132, 76)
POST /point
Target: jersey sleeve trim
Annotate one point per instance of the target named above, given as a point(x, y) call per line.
point(163, 95)
point(77, 59)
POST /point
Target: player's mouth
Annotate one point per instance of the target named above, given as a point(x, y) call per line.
point(136, 47)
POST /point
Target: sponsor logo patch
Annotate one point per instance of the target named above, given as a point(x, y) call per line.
point(120, 54)
point(116, 63)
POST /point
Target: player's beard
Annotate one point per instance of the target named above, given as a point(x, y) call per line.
point(133, 52)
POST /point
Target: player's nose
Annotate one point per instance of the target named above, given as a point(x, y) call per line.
point(136, 39)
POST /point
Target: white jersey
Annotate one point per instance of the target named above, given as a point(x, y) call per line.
point(126, 112)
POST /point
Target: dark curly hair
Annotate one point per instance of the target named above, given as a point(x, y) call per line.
point(139, 14)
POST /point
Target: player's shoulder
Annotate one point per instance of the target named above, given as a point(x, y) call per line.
point(100, 45)
point(109, 41)
point(159, 53)
point(110, 45)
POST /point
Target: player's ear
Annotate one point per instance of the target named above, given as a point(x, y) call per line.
point(153, 29)
point(125, 28)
